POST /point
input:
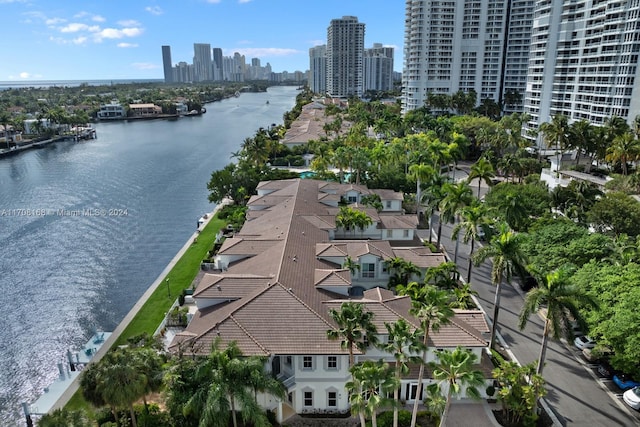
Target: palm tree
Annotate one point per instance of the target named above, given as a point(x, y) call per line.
point(624, 148)
point(556, 133)
point(421, 173)
point(456, 197)
point(463, 295)
point(433, 195)
point(361, 220)
point(473, 219)
point(431, 306)
point(456, 369)
point(401, 271)
point(351, 265)
point(368, 388)
point(346, 218)
point(482, 170)
point(230, 382)
point(354, 325)
point(403, 344)
point(562, 300)
point(506, 252)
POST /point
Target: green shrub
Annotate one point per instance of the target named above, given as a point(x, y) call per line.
point(385, 419)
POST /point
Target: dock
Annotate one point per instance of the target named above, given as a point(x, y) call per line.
point(67, 375)
point(79, 134)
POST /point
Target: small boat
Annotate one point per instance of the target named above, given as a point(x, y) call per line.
point(267, 102)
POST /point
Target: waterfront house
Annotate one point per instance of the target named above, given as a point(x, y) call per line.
point(145, 110)
point(112, 111)
point(278, 277)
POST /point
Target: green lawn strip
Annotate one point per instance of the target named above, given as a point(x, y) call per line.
point(180, 277)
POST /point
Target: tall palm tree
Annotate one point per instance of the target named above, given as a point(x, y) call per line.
point(457, 196)
point(482, 170)
point(421, 173)
point(431, 306)
point(456, 369)
point(403, 344)
point(473, 219)
point(562, 300)
point(354, 325)
point(507, 256)
point(368, 388)
point(556, 132)
point(624, 148)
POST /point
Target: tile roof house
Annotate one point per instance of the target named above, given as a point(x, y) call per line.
point(279, 276)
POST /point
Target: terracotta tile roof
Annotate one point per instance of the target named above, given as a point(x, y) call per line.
point(422, 257)
point(280, 309)
point(398, 221)
point(332, 277)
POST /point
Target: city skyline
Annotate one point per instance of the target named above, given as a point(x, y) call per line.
point(121, 40)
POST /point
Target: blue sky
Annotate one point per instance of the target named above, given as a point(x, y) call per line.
point(118, 39)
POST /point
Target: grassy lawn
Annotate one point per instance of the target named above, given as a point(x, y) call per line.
point(154, 309)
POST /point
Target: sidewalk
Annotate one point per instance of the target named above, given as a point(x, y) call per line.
point(472, 413)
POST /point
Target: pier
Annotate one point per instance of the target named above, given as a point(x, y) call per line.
point(67, 375)
point(79, 134)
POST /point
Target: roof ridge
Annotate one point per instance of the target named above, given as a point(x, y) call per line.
point(398, 314)
point(305, 305)
point(457, 323)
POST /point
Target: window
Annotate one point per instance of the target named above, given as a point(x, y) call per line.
point(332, 362)
point(307, 362)
point(388, 204)
point(332, 399)
point(389, 233)
point(368, 270)
point(406, 233)
point(288, 360)
point(308, 398)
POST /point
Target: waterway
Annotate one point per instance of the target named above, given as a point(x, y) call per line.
point(86, 227)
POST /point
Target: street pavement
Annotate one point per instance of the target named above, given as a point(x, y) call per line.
point(576, 394)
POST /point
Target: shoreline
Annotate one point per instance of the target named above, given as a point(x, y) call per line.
point(124, 323)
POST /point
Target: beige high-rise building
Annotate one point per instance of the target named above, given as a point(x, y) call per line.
point(345, 48)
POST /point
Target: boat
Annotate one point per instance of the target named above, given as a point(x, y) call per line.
point(267, 102)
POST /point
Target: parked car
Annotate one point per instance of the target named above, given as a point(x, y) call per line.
point(625, 382)
point(584, 341)
point(632, 398)
point(605, 369)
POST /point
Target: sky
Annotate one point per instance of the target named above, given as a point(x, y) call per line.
point(122, 39)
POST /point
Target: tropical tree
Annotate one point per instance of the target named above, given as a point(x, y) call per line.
point(65, 418)
point(456, 370)
point(432, 196)
point(443, 276)
point(457, 196)
point(346, 218)
point(404, 344)
point(562, 301)
point(474, 220)
point(519, 388)
point(556, 132)
point(505, 251)
point(368, 388)
point(421, 173)
point(464, 294)
point(624, 148)
point(229, 382)
point(401, 271)
point(354, 325)
point(351, 265)
point(482, 170)
point(431, 306)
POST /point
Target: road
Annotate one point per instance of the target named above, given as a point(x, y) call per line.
point(575, 392)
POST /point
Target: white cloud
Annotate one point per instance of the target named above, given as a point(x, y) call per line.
point(129, 23)
point(76, 27)
point(154, 10)
point(213, 1)
point(144, 66)
point(12, 1)
point(124, 45)
point(116, 33)
point(97, 18)
point(243, 1)
point(24, 75)
point(54, 21)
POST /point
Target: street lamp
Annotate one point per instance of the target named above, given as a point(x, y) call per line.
point(168, 288)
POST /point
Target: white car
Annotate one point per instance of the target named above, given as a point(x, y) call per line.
point(583, 342)
point(632, 398)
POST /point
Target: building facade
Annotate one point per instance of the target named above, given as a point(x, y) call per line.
point(378, 68)
point(583, 61)
point(452, 46)
point(167, 65)
point(345, 49)
point(202, 63)
point(318, 69)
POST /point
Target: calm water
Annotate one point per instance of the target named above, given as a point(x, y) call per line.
point(63, 276)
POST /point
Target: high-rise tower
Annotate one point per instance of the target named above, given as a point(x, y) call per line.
point(202, 62)
point(378, 68)
point(345, 47)
point(318, 69)
point(167, 64)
